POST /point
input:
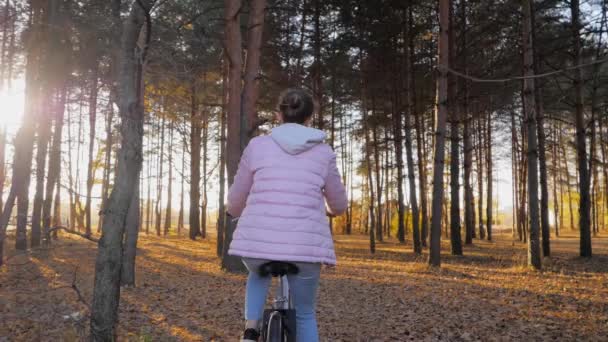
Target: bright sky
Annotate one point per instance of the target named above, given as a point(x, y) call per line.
point(11, 113)
point(11, 106)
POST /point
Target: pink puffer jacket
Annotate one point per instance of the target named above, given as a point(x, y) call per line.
point(279, 192)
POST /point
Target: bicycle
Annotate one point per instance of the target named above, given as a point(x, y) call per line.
point(279, 322)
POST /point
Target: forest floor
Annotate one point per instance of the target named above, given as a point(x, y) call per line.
point(183, 295)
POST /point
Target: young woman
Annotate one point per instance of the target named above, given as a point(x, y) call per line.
point(285, 184)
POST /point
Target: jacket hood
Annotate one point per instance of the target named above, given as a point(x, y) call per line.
point(294, 138)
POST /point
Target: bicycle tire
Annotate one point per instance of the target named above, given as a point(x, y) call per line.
point(274, 331)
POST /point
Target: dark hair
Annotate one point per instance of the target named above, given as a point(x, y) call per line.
point(296, 105)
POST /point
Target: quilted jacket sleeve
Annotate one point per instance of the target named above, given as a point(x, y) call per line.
point(334, 191)
point(239, 190)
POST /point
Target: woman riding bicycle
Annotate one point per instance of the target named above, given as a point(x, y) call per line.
point(285, 184)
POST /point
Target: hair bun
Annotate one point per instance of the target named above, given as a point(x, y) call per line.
point(296, 105)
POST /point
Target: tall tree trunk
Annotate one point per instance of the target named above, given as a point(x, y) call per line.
point(440, 133)
point(397, 120)
point(54, 165)
point(542, 159)
point(168, 209)
point(556, 200)
point(370, 183)
point(489, 178)
point(127, 272)
point(469, 210)
point(234, 121)
point(195, 164)
point(221, 218)
point(106, 292)
point(24, 141)
point(581, 149)
point(480, 158)
point(317, 78)
point(455, 224)
point(105, 187)
point(159, 186)
point(534, 257)
point(180, 216)
point(44, 132)
point(54, 95)
point(411, 108)
point(205, 157)
point(420, 131)
point(378, 184)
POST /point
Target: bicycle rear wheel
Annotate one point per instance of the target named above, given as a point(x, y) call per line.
point(274, 330)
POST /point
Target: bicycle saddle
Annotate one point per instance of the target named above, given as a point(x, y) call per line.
point(277, 269)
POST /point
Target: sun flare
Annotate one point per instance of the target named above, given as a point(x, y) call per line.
point(11, 105)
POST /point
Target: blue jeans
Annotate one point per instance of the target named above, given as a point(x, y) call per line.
point(303, 287)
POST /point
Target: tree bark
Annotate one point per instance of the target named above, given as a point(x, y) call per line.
point(159, 185)
point(542, 159)
point(442, 113)
point(195, 165)
point(455, 223)
point(221, 219)
point(108, 265)
point(480, 150)
point(534, 256)
point(24, 142)
point(411, 109)
point(127, 272)
point(581, 149)
point(469, 210)
point(180, 216)
point(54, 166)
point(204, 157)
point(168, 209)
point(489, 178)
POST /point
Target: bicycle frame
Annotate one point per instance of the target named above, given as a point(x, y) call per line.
point(282, 300)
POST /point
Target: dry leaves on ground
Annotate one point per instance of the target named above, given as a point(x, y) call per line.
point(183, 295)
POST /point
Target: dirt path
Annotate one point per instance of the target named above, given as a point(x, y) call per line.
point(182, 295)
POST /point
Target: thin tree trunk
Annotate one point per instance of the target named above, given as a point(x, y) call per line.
point(420, 131)
point(534, 256)
point(221, 219)
point(542, 161)
point(556, 199)
point(469, 211)
point(370, 183)
point(195, 164)
point(180, 216)
point(480, 158)
point(24, 142)
point(581, 150)
point(159, 186)
point(455, 224)
point(378, 184)
point(204, 157)
point(106, 292)
point(417, 245)
point(489, 167)
point(54, 166)
point(440, 134)
point(168, 209)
